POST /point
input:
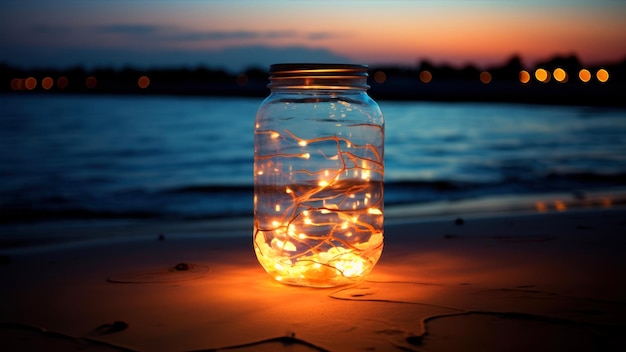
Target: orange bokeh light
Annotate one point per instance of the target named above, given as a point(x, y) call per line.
point(560, 75)
point(485, 77)
point(47, 83)
point(541, 207)
point(602, 75)
point(426, 76)
point(143, 82)
point(560, 205)
point(542, 75)
point(62, 82)
point(30, 83)
point(380, 77)
point(17, 84)
point(524, 76)
point(91, 82)
point(584, 75)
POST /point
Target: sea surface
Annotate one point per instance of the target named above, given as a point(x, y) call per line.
point(69, 157)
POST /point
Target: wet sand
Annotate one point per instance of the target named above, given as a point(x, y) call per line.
point(516, 282)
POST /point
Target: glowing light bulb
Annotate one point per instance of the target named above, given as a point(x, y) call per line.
point(283, 245)
point(374, 211)
point(365, 174)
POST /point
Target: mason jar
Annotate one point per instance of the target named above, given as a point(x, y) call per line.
point(318, 176)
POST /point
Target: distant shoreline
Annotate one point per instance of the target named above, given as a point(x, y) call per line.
point(565, 82)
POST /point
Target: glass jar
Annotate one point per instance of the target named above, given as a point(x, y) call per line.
point(318, 176)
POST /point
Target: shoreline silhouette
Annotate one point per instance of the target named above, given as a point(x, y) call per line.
point(561, 80)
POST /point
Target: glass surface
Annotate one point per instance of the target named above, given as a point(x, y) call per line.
point(318, 177)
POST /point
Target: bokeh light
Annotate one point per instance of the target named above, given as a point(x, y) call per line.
point(17, 84)
point(524, 76)
point(584, 75)
point(380, 77)
point(47, 83)
point(426, 76)
point(143, 82)
point(560, 75)
point(91, 82)
point(602, 75)
point(62, 82)
point(30, 83)
point(541, 207)
point(542, 75)
point(485, 77)
point(560, 206)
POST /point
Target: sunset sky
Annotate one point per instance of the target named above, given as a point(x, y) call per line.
point(237, 34)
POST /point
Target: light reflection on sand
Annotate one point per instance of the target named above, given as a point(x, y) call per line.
point(517, 282)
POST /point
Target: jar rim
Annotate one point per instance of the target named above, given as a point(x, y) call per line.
point(318, 76)
point(317, 69)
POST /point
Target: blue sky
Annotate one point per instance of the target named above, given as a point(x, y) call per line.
point(236, 34)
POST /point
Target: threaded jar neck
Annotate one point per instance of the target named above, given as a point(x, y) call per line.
point(309, 76)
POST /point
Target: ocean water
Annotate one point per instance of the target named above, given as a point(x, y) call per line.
point(68, 157)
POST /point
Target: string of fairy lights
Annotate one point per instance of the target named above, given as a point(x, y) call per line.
point(326, 231)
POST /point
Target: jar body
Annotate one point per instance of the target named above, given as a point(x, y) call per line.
point(318, 183)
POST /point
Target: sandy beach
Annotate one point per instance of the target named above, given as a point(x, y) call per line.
point(517, 281)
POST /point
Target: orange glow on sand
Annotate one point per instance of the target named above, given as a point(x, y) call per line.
point(584, 75)
point(602, 75)
point(143, 82)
